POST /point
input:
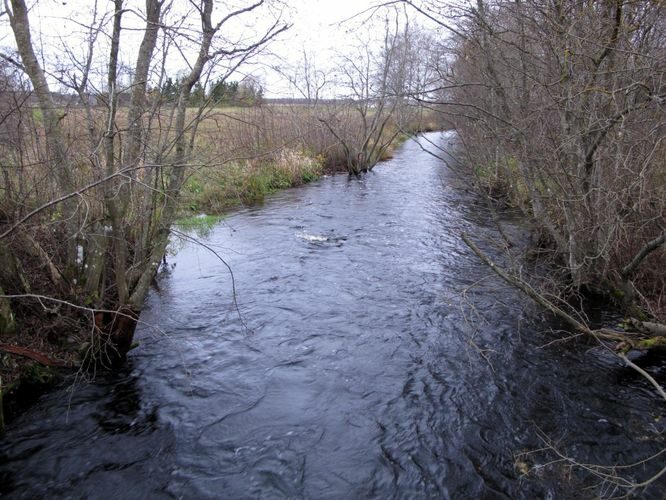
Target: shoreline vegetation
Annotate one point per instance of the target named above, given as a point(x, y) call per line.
point(569, 133)
point(291, 162)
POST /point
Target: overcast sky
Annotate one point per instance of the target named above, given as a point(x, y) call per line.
point(322, 28)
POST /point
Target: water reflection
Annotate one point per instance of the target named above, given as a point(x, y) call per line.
point(124, 413)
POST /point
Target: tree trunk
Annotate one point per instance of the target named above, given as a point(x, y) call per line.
point(7, 324)
point(117, 333)
point(177, 171)
point(133, 141)
point(56, 149)
point(97, 245)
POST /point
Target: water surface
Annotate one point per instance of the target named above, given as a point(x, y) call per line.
point(373, 357)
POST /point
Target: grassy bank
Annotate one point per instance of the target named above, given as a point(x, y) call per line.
point(215, 190)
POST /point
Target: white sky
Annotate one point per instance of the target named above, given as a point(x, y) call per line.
point(323, 29)
point(317, 28)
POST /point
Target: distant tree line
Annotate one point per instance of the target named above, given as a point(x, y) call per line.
point(219, 93)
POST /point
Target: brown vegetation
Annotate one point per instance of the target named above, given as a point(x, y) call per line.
point(560, 109)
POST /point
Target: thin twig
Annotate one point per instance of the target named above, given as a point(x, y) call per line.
point(226, 264)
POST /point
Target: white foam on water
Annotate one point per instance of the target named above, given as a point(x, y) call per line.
point(312, 238)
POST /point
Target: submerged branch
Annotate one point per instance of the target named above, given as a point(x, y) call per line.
point(645, 374)
point(29, 353)
point(527, 289)
point(598, 334)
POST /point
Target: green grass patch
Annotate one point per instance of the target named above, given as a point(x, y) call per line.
point(201, 224)
point(216, 190)
point(503, 180)
point(37, 115)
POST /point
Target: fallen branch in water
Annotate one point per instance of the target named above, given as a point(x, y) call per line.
point(527, 289)
point(625, 341)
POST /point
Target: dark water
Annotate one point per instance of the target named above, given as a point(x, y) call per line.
point(375, 358)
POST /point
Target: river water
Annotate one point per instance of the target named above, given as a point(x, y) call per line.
point(369, 355)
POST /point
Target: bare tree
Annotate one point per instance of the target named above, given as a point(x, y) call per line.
point(560, 107)
point(375, 80)
point(114, 194)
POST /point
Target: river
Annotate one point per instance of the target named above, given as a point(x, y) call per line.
point(370, 354)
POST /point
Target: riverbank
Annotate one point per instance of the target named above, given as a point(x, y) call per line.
point(579, 151)
point(286, 147)
point(635, 292)
point(30, 366)
point(216, 190)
